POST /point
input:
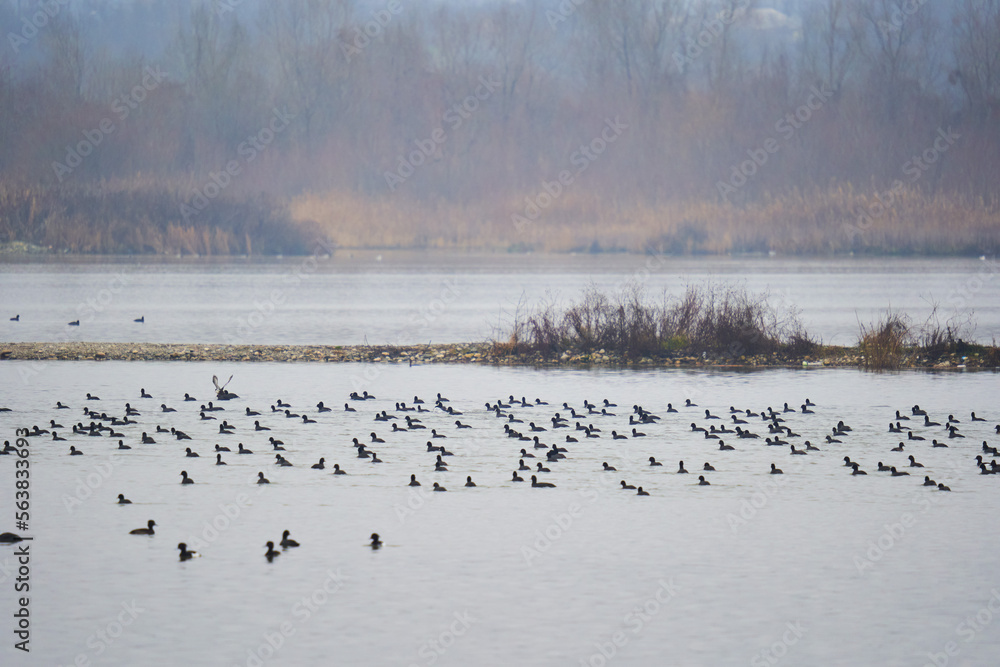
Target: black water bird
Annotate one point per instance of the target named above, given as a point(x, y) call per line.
point(148, 530)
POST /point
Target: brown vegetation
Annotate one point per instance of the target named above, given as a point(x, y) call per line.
point(813, 127)
point(893, 342)
point(137, 217)
point(723, 325)
point(724, 321)
point(883, 343)
point(832, 221)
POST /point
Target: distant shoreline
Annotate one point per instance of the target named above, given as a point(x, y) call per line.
point(444, 353)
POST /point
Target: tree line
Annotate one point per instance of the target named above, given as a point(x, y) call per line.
point(736, 125)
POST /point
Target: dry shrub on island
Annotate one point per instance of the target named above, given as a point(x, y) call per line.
point(721, 320)
point(882, 343)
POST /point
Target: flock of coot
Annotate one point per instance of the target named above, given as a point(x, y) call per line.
point(525, 422)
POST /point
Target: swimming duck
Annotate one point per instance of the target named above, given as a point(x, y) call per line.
point(148, 530)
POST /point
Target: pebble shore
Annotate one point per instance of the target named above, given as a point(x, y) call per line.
point(454, 353)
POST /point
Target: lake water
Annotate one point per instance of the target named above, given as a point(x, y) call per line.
point(811, 567)
point(420, 297)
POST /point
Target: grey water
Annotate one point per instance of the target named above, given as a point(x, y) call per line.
point(815, 566)
point(354, 297)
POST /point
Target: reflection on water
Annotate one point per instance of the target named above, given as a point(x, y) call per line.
point(814, 566)
point(407, 297)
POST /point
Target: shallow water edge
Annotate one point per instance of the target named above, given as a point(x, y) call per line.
point(454, 353)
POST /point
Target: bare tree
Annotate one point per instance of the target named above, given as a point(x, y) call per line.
point(977, 56)
point(304, 36)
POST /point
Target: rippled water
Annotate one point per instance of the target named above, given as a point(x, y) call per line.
point(823, 568)
point(410, 297)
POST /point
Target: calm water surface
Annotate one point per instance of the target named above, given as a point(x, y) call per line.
point(413, 297)
point(823, 568)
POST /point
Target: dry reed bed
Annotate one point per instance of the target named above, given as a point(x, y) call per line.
point(836, 220)
point(139, 216)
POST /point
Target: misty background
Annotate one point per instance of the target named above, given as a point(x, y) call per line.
point(682, 126)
